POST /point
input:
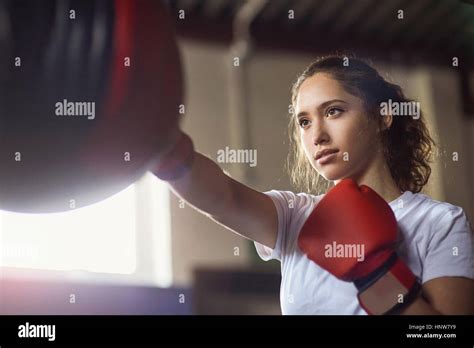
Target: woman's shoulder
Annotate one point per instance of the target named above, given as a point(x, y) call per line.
point(439, 208)
point(439, 213)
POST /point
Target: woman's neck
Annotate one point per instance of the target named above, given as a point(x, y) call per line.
point(378, 177)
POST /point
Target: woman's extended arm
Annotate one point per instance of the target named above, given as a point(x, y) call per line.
point(245, 211)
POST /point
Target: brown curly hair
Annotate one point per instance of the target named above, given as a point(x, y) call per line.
point(407, 144)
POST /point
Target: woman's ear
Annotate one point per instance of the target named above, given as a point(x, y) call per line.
point(386, 122)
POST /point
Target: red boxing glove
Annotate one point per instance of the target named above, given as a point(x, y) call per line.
point(177, 161)
point(352, 234)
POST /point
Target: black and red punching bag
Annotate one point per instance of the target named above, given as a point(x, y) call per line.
point(90, 94)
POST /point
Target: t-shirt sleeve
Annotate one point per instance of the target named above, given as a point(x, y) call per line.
point(284, 203)
point(450, 251)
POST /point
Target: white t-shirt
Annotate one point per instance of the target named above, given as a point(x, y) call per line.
point(435, 240)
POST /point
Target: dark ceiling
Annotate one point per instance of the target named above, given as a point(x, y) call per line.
point(431, 30)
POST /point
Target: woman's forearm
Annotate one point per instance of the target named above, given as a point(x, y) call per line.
point(419, 307)
point(205, 186)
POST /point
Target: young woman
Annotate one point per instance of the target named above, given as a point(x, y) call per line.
point(339, 132)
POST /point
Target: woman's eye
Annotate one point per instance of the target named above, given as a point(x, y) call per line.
point(303, 123)
point(333, 111)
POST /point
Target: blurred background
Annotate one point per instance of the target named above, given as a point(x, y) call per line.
point(143, 251)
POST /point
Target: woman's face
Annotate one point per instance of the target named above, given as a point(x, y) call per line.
point(332, 120)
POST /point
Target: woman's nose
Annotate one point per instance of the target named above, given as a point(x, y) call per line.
point(319, 134)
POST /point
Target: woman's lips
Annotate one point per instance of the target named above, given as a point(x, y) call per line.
point(327, 157)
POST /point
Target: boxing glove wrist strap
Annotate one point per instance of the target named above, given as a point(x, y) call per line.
point(178, 161)
point(390, 288)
